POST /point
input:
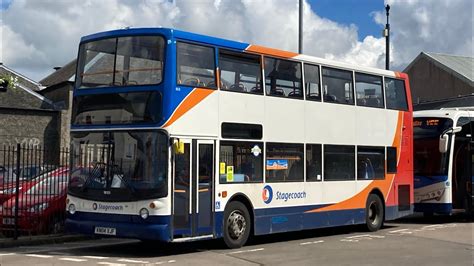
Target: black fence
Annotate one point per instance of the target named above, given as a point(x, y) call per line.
point(33, 188)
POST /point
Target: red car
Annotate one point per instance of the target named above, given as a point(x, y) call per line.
point(41, 208)
point(8, 190)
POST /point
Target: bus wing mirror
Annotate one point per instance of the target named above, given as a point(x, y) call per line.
point(457, 129)
point(443, 143)
point(178, 147)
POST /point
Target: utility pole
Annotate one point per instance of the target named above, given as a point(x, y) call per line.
point(386, 34)
point(300, 28)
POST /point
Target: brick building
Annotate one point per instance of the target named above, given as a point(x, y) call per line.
point(27, 117)
point(439, 80)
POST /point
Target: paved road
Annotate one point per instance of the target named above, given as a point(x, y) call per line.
point(414, 241)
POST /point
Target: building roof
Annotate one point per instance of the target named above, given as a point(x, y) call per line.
point(63, 74)
point(460, 66)
point(22, 79)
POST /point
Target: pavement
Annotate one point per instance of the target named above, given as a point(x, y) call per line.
point(40, 240)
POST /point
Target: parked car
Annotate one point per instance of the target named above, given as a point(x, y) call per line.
point(8, 190)
point(26, 173)
point(41, 208)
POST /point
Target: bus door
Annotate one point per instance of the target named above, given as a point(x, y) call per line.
point(462, 164)
point(193, 189)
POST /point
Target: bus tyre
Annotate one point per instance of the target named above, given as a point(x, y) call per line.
point(374, 213)
point(237, 224)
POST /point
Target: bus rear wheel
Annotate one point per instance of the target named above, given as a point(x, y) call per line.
point(374, 213)
point(237, 224)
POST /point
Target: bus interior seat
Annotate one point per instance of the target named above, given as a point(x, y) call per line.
point(330, 98)
point(237, 87)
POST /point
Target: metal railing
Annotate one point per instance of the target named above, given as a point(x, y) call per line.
point(33, 188)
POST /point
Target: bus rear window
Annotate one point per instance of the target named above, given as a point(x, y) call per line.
point(124, 61)
point(117, 108)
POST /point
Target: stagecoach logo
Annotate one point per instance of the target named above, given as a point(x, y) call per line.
point(107, 207)
point(267, 194)
point(256, 150)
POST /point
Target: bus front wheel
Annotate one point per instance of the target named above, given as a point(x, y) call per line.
point(237, 224)
point(374, 213)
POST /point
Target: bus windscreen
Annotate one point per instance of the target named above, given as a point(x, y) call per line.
point(123, 61)
point(428, 161)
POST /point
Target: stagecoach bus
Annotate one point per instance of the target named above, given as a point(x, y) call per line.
point(444, 160)
point(178, 136)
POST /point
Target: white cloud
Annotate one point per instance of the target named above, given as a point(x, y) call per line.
point(38, 35)
point(441, 26)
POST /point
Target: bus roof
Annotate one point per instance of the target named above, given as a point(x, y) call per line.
point(241, 46)
point(453, 113)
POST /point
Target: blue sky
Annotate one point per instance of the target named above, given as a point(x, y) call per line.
point(5, 3)
point(357, 12)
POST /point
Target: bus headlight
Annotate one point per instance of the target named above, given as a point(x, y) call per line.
point(144, 213)
point(72, 208)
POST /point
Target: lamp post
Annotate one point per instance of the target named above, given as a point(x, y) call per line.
point(300, 28)
point(386, 34)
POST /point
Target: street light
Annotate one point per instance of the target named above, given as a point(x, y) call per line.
point(386, 34)
point(300, 28)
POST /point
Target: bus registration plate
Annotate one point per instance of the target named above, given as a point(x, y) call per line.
point(105, 231)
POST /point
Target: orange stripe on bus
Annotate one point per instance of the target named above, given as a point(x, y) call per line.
point(195, 97)
point(270, 51)
point(358, 201)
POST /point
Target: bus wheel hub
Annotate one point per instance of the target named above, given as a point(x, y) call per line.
point(237, 224)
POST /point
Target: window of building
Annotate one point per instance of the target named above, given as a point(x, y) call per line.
point(395, 94)
point(313, 162)
point(283, 78)
point(337, 86)
point(284, 162)
point(369, 90)
point(392, 160)
point(339, 162)
point(240, 162)
point(370, 163)
point(311, 80)
point(196, 65)
point(240, 72)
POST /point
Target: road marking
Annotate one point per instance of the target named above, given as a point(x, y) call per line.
point(171, 261)
point(72, 259)
point(95, 257)
point(360, 237)
point(39, 256)
point(313, 242)
point(111, 263)
point(133, 261)
point(245, 251)
point(397, 231)
point(7, 254)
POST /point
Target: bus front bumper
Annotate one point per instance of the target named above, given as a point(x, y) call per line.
point(121, 226)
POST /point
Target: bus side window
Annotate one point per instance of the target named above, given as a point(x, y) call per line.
point(240, 72)
point(337, 86)
point(196, 65)
point(391, 160)
point(240, 162)
point(283, 78)
point(313, 162)
point(311, 79)
point(395, 94)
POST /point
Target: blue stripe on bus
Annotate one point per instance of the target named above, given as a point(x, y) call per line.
point(440, 208)
point(267, 221)
point(423, 181)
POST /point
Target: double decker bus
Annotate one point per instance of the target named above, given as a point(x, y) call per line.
point(178, 136)
point(444, 160)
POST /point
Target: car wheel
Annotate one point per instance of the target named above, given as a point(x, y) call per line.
point(374, 213)
point(237, 224)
